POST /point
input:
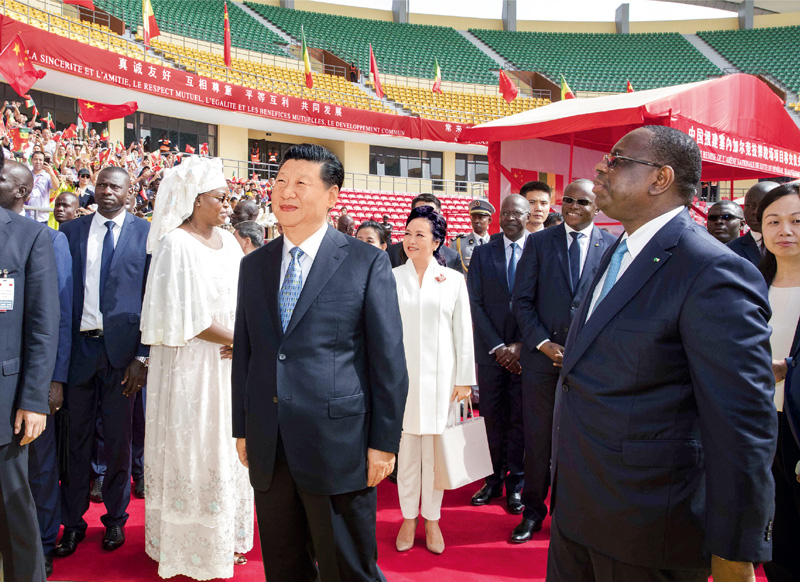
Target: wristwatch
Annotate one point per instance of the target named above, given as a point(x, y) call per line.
point(144, 361)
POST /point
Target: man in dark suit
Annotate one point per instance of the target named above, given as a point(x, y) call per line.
point(16, 184)
point(497, 350)
point(750, 246)
point(398, 256)
point(319, 381)
point(554, 274)
point(665, 428)
point(108, 363)
point(29, 315)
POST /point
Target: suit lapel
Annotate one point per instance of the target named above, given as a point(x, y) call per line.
point(560, 248)
point(752, 249)
point(4, 228)
point(593, 258)
point(84, 242)
point(329, 258)
point(652, 258)
point(499, 260)
point(271, 272)
point(122, 242)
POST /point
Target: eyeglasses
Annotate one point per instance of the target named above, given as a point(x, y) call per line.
point(515, 214)
point(580, 201)
point(611, 161)
point(722, 217)
point(221, 199)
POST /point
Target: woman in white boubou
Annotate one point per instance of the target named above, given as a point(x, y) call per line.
point(437, 336)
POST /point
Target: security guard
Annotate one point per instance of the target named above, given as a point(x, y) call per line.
point(480, 213)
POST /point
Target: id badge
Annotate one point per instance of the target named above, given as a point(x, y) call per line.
point(6, 294)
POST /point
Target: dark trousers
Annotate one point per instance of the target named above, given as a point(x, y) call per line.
point(538, 400)
point(43, 479)
point(137, 441)
point(297, 529)
point(569, 561)
point(101, 387)
point(501, 407)
point(20, 545)
point(785, 564)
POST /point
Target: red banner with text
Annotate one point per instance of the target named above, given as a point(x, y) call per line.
point(61, 54)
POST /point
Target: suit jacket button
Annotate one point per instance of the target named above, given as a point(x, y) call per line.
point(566, 330)
point(275, 399)
point(565, 387)
point(281, 357)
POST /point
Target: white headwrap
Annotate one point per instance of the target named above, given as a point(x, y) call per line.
point(177, 192)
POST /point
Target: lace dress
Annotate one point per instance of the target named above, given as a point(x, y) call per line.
point(199, 503)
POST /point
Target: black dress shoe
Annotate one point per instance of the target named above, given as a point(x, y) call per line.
point(96, 492)
point(138, 488)
point(525, 530)
point(69, 543)
point(48, 565)
point(114, 537)
point(514, 503)
point(484, 495)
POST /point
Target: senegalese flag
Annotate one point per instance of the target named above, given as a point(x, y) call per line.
point(150, 25)
point(50, 123)
point(566, 92)
point(104, 134)
point(306, 61)
point(437, 77)
point(29, 103)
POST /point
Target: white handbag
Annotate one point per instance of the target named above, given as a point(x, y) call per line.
point(461, 452)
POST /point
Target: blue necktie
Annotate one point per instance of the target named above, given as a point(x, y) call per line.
point(105, 260)
point(512, 267)
point(291, 288)
point(574, 256)
point(613, 270)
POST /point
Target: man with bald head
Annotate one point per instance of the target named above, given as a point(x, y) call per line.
point(725, 220)
point(664, 427)
point(346, 225)
point(497, 351)
point(554, 274)
point(16, 183)
point(751, 246)
point(246, 210)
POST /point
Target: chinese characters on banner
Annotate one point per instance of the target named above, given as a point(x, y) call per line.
point(62, 54)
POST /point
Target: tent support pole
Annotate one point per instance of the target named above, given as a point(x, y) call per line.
point(571, 151)
point(733, 174)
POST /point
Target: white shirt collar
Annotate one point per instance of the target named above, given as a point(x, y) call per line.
point(639, 239)
point(310, 246)
point(757, 236)
point(520, 242)
point(586, 231)
point(101, 220)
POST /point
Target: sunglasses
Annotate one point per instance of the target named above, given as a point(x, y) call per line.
point(611, 161)
point(580, 201)
point(221, 199)
point(723, 217)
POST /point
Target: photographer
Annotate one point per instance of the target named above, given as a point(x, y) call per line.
point(45, 181)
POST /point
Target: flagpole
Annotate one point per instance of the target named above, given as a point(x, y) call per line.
point(571, 151)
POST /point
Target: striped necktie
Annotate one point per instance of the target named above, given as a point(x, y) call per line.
point(291, 288)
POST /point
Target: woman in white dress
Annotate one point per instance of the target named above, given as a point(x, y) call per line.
point(199, 503)
point(779, 214)
point(437, 336)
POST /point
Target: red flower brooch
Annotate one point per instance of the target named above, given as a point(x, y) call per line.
point(440, 278)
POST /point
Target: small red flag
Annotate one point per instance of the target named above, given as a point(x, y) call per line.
point(227, 38)
point(104, 155)
point(204, 149)
point(69, 132)
point(508, 89)
point(149, 22)
point(189, 149)
point(373, 68)
point(17, 68)
point(85, 3)
point(629, 88)
point(93, 111)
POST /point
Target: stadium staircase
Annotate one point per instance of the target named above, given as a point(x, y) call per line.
point(484, 48)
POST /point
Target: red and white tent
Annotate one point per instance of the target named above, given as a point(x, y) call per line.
point(740, 124)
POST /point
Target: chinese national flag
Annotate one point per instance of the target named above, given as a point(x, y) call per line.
point(204, 149)
point(629, 88)
point(508, 88)
point(17, 68)
point(149, 24)
point(85, 3)
point(189, 149)
point(69, 132)
point(373, 68)
point(93, 111)
point(227, 38)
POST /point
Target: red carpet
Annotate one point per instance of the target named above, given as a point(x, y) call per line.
point(475, 537)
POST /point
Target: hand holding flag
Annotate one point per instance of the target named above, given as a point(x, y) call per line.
point(17, 68)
